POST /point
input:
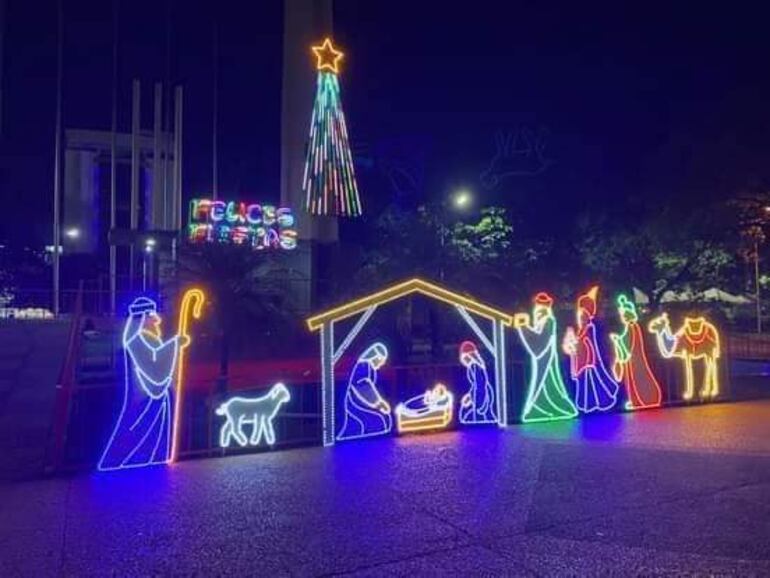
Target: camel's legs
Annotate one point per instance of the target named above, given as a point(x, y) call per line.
point(688, 378)
point(712, 386)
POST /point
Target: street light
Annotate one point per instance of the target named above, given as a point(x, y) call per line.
point(72, 233)
point(149, 247)
point(462, 199)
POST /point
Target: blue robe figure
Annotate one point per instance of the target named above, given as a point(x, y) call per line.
point(478, 404)
point(142, 434)
point(366, 412)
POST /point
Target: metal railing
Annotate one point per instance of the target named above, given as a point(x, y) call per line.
point(65, 386)
point(92, 407)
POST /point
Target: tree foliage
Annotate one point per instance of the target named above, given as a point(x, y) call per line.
point(669, 250)
point(429, 242)
point(247, 290)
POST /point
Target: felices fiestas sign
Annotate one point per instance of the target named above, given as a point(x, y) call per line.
point(239, 223)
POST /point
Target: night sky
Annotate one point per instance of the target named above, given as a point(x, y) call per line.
point(630, 97)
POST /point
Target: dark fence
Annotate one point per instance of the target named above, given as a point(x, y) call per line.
point(98, 393)
point(748, 346)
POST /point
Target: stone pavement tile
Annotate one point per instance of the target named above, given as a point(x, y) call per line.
point(465, 561)
point(707, 504)
point(32, 505)
point(547, 556)
point(481, 483)
point(30, 552)
point(723, 427)
point(416, 504)
point(294, 511)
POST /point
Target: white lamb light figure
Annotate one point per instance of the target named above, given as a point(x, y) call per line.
point(259, 412)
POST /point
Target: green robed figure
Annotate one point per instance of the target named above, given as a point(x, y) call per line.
point(547, 397)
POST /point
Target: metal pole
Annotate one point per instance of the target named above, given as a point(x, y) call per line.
point(215, 179)
point(168, 222)
point(157, 204)
point(113, 158)
point(178, 158)
point(756, 286)
point(57, 160)
point(135, 123)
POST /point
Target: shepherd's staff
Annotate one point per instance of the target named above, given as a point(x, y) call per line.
point(192, 300)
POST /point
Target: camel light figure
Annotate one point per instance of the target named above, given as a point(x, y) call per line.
point(695, 339)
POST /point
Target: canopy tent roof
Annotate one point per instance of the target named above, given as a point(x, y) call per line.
point(712, 294)
point(402, 290)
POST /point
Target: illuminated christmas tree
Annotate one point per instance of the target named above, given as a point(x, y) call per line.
point(329, 181)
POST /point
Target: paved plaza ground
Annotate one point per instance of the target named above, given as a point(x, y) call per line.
point(674, 491)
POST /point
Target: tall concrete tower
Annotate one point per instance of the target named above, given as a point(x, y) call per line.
point(306, 22)
point(2, 40)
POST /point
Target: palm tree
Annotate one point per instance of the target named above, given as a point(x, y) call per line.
point(245, 287)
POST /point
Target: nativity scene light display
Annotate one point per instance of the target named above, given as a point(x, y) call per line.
point(572, 373)
point(577, 372)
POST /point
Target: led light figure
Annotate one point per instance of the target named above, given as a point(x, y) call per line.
point(366, 411)
point(191, 305)
point(431, 410)
point(143, 433)
point(547, 397)
point(363, 308)
point(695, 339)
point(329, 180)
point(596, 390)
point(478, 404)
point(327, 57)
point(259, 412)
point(631, 367)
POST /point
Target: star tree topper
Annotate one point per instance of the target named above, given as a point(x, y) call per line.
point(327, 56)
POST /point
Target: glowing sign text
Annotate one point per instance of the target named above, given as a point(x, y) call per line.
point(239, 223)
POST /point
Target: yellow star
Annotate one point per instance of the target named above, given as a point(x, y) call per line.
point(328, 57)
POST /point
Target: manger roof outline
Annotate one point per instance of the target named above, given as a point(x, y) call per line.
point(403, 289)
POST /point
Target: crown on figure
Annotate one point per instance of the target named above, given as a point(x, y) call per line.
point(543, 299)
point(587, 301)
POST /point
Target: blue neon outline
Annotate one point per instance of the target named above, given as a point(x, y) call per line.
point(139, 378)
point(389, 429)
point(491, 398)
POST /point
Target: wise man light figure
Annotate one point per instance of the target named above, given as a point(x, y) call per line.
point(631, 367)
point(366, 411)
point(478, 404)
point(595, 388)
point(547, 397)
point(143, 433)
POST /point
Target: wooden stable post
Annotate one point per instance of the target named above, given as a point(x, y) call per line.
point(498, 340)
point(327, 383)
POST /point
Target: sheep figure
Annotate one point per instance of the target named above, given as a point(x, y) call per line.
point(259, 412)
